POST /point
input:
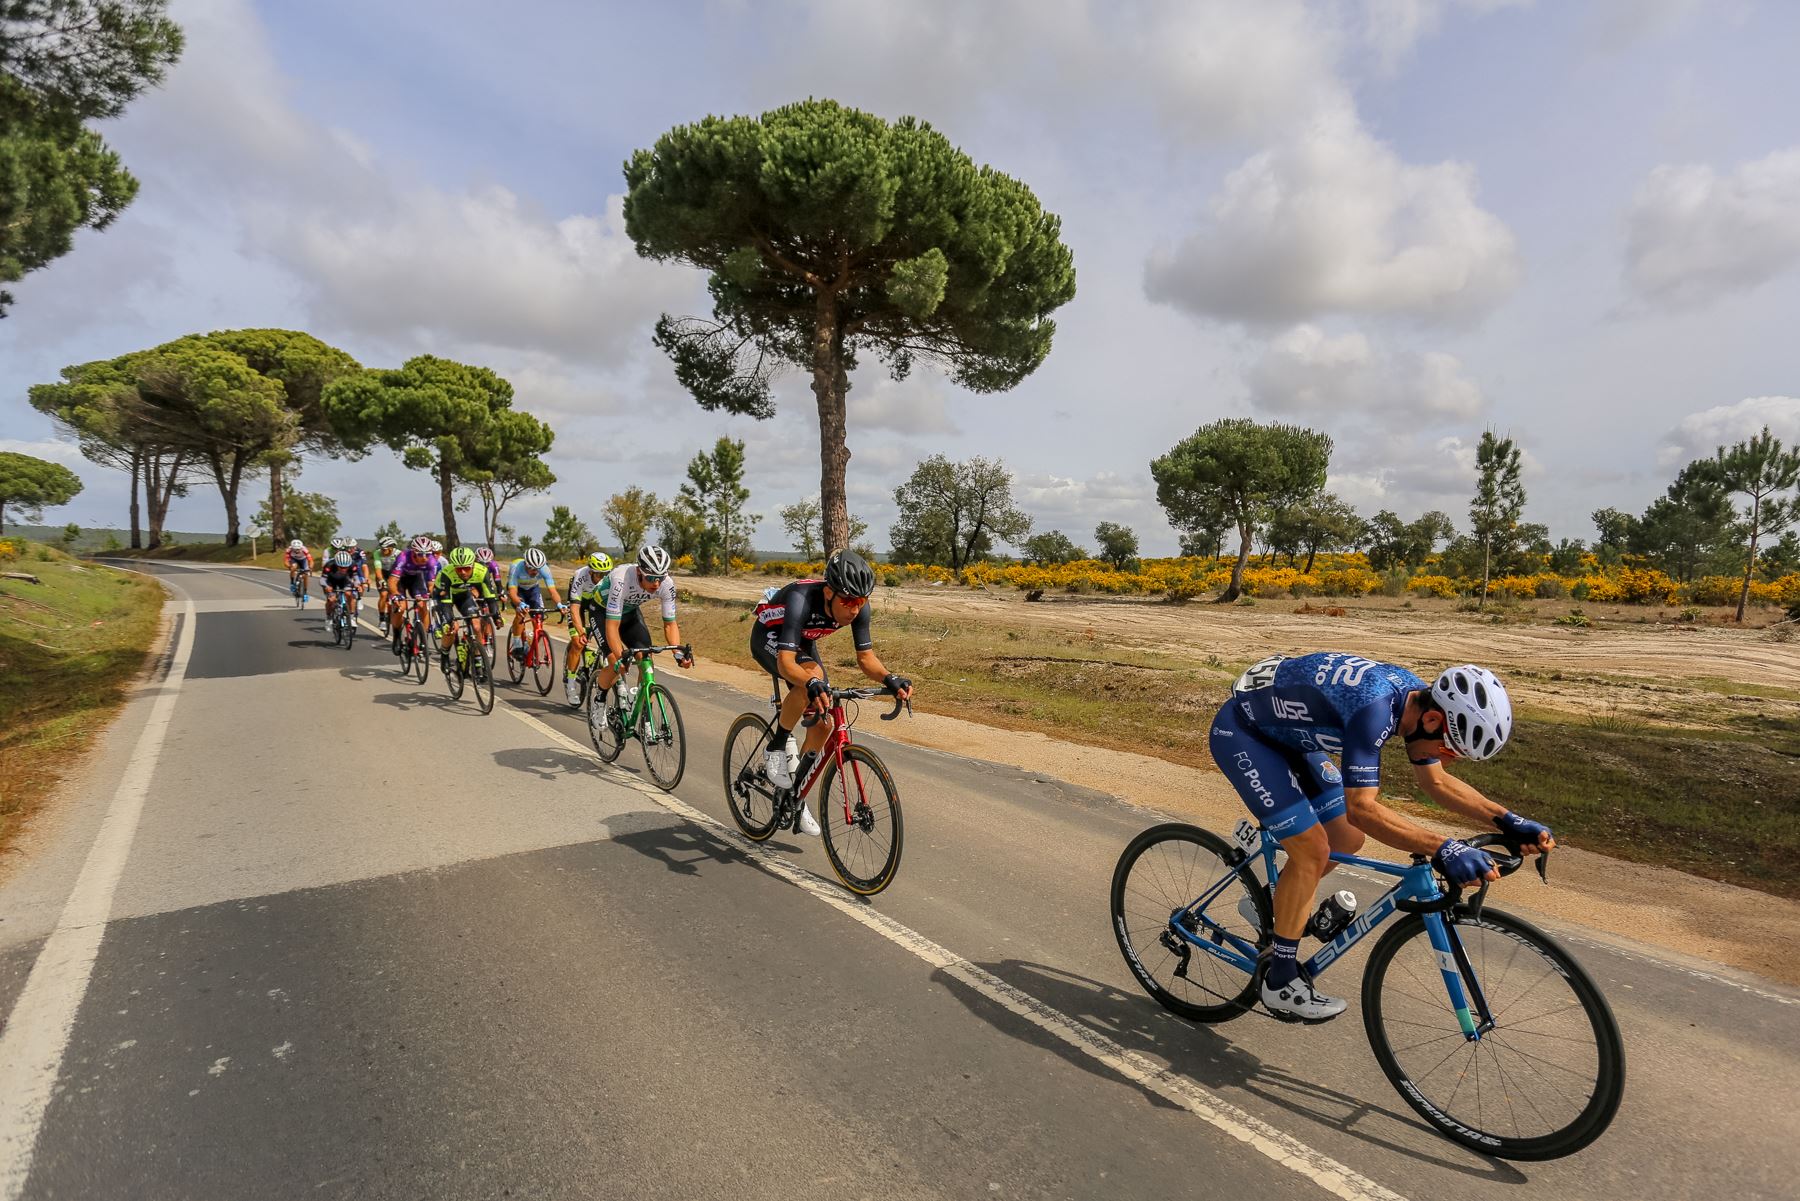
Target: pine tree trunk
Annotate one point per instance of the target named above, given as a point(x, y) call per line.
point(1312, 552)
point(235, 478)
point(830, 382)
point(1235, 589)
point(137, 469)
point(1486, 558)
point(1750, 563)
point(277, 504)
point(447, 489)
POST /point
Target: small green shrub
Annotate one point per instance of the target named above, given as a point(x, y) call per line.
point(1575, 618)
point(1689, 614)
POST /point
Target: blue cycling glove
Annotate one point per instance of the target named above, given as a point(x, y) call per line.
point(1461, 863)
point(1521, 829)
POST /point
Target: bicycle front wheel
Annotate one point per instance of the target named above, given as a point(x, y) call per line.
point(606, 725)
point(543, 664)
point(1543, 1082)
point(455, 674)
point(859, 816)
point(664, 741)
point(350, 624)
point(515, 664)
point(1163, 871)
point(748, 794)
point(481, 679)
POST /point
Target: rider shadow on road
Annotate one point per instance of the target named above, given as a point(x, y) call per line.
point(679, 846)
point(425, 699)
point(547, 763)
point(1201, 1054)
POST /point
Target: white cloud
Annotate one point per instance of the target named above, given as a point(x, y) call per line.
point(1076, 506)
point(1306, 372)
point(377, 252)
point(1391, 28)
point(53, 449)
point(1694, 235)
point(1700, 434)
point(1209, 68)
point(915, 406)
point(1332, 221)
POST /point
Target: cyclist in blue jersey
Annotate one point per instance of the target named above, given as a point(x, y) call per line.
point(526, 582)
point(1274, 740)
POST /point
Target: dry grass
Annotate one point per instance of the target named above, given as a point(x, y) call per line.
point(69, 648)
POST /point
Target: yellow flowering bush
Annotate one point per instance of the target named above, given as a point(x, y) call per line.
point(1441, 586)
point(9, 550)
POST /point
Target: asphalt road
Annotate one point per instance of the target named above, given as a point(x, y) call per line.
point(306, 929)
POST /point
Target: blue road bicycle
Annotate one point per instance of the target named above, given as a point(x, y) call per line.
point(1490, 1030)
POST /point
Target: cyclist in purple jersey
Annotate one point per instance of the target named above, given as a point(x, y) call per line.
point(1275, 739)
point(414, 570)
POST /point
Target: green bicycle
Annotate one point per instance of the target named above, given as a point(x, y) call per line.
point(647, 713)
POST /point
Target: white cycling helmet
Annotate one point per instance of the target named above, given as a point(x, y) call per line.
point(342, 559)
point(437, 548)
point(534, 559)
point(296, 544)
point(421, 545)
point(1477, 711)
point(653, 560)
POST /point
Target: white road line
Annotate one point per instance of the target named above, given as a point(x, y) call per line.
point(1255, 1133)
point(37, 1034)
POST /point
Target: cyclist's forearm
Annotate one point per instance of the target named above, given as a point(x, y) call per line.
point(1457, 796)
point(1366, 812)
point(872, 666)
point(672, 633)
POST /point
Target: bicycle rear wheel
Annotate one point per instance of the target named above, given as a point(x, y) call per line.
point(663, 739)
point(543, 663)
point(748, 794)
point(606, 726)
point(1164, 870)
point(337, 628)
point(1543, 1083)
point(481, 679)
point(864, 847)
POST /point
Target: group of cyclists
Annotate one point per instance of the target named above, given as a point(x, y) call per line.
point(1274, 739)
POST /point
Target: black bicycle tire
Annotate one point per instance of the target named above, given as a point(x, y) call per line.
point(454, 676)
point(592, 696)
point(650, 699)
point(422, 648)
point(543, 672)
point(754, 831)
point(1229, 1007)
point(481, 673)
point(350, 624)
point(515, 664)
point(1609, 1085)
point(828, 819)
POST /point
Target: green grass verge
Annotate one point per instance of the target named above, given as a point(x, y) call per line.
point(1722, 803)
point(68, 648)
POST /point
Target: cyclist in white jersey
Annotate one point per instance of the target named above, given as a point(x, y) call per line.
point(629, 587)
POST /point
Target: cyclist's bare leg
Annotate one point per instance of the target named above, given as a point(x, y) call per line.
point(793, 708)
point(1345, 839)
point(1309, 855)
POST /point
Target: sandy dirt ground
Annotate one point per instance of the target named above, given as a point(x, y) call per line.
point(1632, 669)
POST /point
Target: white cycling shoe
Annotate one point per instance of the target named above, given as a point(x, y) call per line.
point(778, 771)
point(809, 825)
point(572, 689)
point(1297, 1002)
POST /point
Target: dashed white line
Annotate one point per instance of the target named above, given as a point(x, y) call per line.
point(37, 1034)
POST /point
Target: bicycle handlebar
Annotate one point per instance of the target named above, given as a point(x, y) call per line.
point(861, 694)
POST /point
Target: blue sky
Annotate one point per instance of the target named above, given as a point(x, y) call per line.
point(1400, 221)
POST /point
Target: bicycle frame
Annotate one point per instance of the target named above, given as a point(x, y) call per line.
point(1415, 890)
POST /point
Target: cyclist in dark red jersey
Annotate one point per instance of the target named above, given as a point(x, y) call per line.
point(788, 625)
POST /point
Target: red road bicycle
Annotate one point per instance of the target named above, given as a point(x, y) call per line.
point(862, 830)
point(539, 658)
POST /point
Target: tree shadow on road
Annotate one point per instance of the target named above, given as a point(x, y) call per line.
point(1205, 1056)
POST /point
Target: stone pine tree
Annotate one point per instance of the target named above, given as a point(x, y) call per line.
point(116, 426)
point(1759, 470)
point(64, 63)
point(1498, 502)
point(1236, 468)
point(952, 513)
point(826, 233)
point(304, 366)
point(629, 515)
point(445, 417)
point(29, 485)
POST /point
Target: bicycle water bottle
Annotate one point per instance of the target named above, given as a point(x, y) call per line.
point(1334, 913)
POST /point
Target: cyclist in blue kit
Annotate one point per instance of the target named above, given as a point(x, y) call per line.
point(1274, 740)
